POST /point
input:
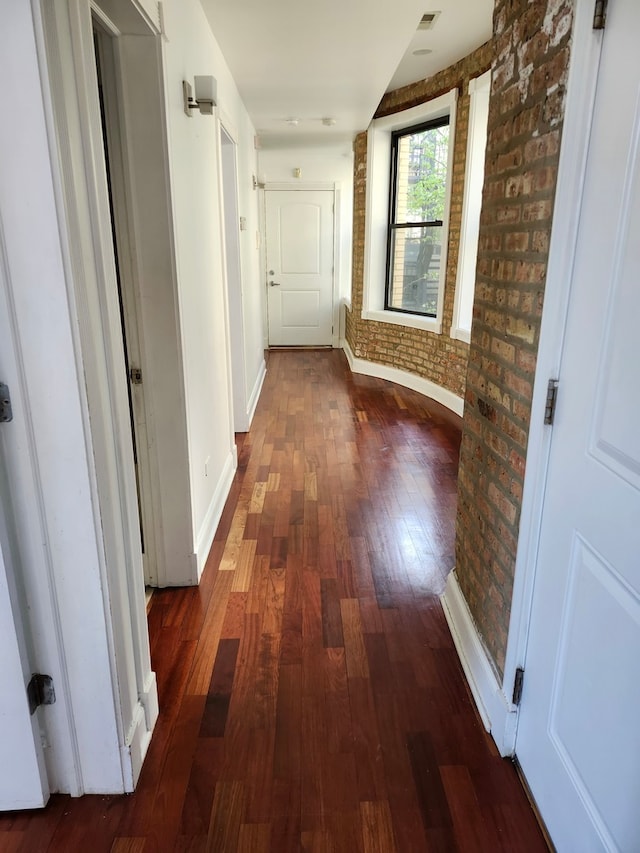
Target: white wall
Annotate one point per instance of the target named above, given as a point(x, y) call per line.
point(319, 164)
point(191, 49)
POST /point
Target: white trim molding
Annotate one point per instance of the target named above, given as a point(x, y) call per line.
point(407, 380)
point(576, 133)
point(498, 714)
point(214, 513)
point(255, 393)
point(377, 211)
point(103, 602)
point(479, 94)
point(138, 738)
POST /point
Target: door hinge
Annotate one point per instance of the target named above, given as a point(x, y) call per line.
point(40, 691)
point(517, 686)
point(6, 413)
point(135, 375)
point(552, 397)
point(600, 15)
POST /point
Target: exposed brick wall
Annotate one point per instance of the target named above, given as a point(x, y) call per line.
point(532, 41)
point(438, 358)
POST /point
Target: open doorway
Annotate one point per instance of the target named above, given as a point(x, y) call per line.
point(113, 722)
point(105, 70)
point(231, 229)
point(128, 57)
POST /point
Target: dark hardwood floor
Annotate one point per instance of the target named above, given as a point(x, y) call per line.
point(311, 697)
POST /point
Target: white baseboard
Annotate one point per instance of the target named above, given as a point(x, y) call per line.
point(212, 518)
point(497, 712)
point(255, 393)
point(139, 737)
point(408, 380)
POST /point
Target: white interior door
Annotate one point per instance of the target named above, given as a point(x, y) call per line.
point(578, 739)
point(128, 294)
point(23, 777)
point(300, 234)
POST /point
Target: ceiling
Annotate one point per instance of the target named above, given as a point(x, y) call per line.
point(296, 60)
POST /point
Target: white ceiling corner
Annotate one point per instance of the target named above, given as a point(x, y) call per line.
point(335, 59)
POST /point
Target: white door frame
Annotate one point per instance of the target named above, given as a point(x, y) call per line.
point(492, 696)
point(232, 270)
point(145, 212)
point(336, 189)
point(69, 88)
point(581, 87)
point(130, 293)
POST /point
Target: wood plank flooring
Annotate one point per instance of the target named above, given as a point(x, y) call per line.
point(311, 697)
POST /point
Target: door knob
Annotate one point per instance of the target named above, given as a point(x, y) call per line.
point(274, 284)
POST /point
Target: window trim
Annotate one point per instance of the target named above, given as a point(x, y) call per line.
point(479, 92)
point(377, 211)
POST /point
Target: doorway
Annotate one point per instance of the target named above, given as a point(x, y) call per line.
point(120, 229)
point(300, 234)
point(139, 246)
point(231, 225)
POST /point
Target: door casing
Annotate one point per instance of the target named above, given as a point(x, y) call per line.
point(75, 140)
point(581, 87)
point(573, 585)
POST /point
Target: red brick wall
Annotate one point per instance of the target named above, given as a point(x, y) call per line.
point(438, 358)
point(532, 41)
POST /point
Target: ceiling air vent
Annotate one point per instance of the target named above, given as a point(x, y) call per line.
point(428, 20)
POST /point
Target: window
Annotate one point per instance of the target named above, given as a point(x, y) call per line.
point(479, 89)
point(419, 165)
point(379, 302)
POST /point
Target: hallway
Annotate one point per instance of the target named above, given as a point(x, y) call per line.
point(311, 697)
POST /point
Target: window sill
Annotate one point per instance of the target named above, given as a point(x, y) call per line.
point(413, 321)
point(460, 335)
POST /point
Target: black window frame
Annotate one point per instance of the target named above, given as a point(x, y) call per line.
point(392, 225)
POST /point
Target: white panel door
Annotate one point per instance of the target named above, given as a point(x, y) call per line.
point(23, 777)
point(578, 739)
point(300, 233)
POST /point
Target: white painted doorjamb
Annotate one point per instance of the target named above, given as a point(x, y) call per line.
point(337, 261)
point(75, 140)
point(225, 293)
point(262, 262)
point(492, 696)
point(233, 298)
point(583, 71)
point(336, 189)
